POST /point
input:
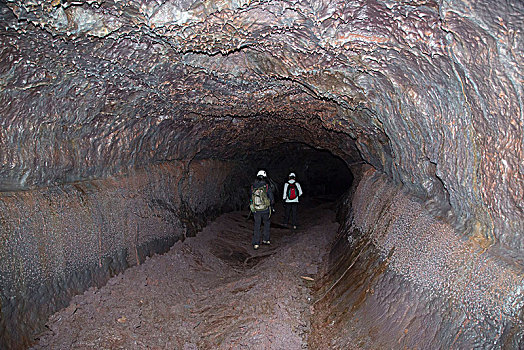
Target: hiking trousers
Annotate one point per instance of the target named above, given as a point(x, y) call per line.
point(291, 209)
point(261, 217)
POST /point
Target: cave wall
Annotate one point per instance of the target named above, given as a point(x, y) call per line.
point(58, 241)
point(427, 91)
point(465, 87)
point(401, 278)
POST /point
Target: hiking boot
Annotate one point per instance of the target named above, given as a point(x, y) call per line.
point(266, 242)
point(255, 246)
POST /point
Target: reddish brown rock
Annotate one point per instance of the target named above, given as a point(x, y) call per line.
point(429, 93)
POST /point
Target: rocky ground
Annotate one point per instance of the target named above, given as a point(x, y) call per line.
point(209, 292)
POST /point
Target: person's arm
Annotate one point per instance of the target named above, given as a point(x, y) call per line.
point(299, 189)
point(284, 195)
point(250, 193)
point(270, 195)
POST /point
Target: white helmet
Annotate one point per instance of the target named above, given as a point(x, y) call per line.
point(292, 175)
point(261, 173)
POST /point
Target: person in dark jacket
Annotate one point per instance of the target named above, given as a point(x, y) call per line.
point(261, 204)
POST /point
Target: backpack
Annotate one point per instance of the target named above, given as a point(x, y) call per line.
point(292, 191)
point(259, 199)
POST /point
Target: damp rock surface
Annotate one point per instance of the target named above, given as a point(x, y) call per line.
point(209, 292)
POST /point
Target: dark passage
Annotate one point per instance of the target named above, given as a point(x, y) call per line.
point(321, 172)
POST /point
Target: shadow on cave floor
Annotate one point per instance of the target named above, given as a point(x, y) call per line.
point(209, 292)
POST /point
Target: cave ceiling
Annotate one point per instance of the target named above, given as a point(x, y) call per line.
point(429, 92)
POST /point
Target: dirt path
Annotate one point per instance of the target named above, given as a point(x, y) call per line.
point(209, 292)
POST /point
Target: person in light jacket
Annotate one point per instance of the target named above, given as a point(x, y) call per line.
point(292, 191)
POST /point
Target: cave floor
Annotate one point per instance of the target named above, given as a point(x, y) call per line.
point(209, 292)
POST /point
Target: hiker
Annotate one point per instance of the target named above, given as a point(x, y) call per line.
point(292, 191)
point(261, 205)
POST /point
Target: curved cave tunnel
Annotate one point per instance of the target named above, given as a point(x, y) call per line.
point(128, 125)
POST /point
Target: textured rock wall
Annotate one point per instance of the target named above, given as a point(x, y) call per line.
point(56, 242)
point(401, 278)
point(430, 92)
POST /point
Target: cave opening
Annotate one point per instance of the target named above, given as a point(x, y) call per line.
point(319, 171)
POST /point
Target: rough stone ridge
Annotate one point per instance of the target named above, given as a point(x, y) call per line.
point(417, 280)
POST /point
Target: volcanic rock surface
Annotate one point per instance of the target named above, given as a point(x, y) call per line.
point(128, 99)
